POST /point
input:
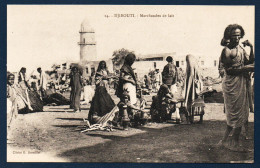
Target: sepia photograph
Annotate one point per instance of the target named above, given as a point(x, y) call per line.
point(130, 83)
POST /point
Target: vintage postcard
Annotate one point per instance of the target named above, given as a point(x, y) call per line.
point(130, 83)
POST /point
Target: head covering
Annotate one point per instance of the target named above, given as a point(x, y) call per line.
point(9, 76)
point(99, 65)
point(23, 69)
point(163, 90)
point(39, 69)
point(169, 59)
point(77, 68)
point(130, 59)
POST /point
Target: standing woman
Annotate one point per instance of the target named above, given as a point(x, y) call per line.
point(76, 86)
point(193, 84)
point(237, 65)
point(12, 106)
point(102, 75)
point(23, 88)
point(127, 80)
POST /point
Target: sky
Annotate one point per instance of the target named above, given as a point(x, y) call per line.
point(41, 35)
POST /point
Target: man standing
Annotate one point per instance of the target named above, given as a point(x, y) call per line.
point(237, 64)
point(42, 83)
point(158, 80)
point(169, 74)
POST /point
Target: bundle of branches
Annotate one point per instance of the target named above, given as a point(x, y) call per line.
point(103, 123)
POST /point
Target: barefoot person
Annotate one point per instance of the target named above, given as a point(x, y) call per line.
point(193, 86)
point(76, 85)
point(12, 106)
point(225, 42)
point(235, 84)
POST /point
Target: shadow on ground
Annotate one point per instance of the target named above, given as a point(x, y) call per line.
point(174, 144)
point(77, 119)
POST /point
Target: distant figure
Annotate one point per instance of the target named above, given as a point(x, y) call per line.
point(42, 83)
point(158, 80)
point(22, 77)
point(76, 86)
point(236, 85)
point(147, 81)
point(88, 91)
point(92, 78)
point(169, 74)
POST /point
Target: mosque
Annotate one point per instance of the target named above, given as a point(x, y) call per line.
point(87, 42)
point(88, 52)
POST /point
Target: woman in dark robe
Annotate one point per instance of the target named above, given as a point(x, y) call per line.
point(158, 109)
point(76, 86)
point(101, 103)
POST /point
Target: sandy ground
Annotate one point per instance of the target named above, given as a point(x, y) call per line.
point(52, 136)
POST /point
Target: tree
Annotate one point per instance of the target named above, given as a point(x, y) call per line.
point(119, 57)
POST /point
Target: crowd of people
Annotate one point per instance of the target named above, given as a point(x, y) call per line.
point(176, 93)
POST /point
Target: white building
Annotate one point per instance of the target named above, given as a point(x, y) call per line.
point(146, 63)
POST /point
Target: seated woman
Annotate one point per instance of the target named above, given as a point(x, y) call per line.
point(101, 103)
point(158, 110)
point(53, 98)
point(30, 97)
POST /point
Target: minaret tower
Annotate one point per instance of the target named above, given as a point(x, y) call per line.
point(87, 42)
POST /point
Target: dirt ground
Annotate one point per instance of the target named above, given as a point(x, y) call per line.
point(53, 136)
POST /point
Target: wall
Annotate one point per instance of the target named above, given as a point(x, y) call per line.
point(207, 69)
